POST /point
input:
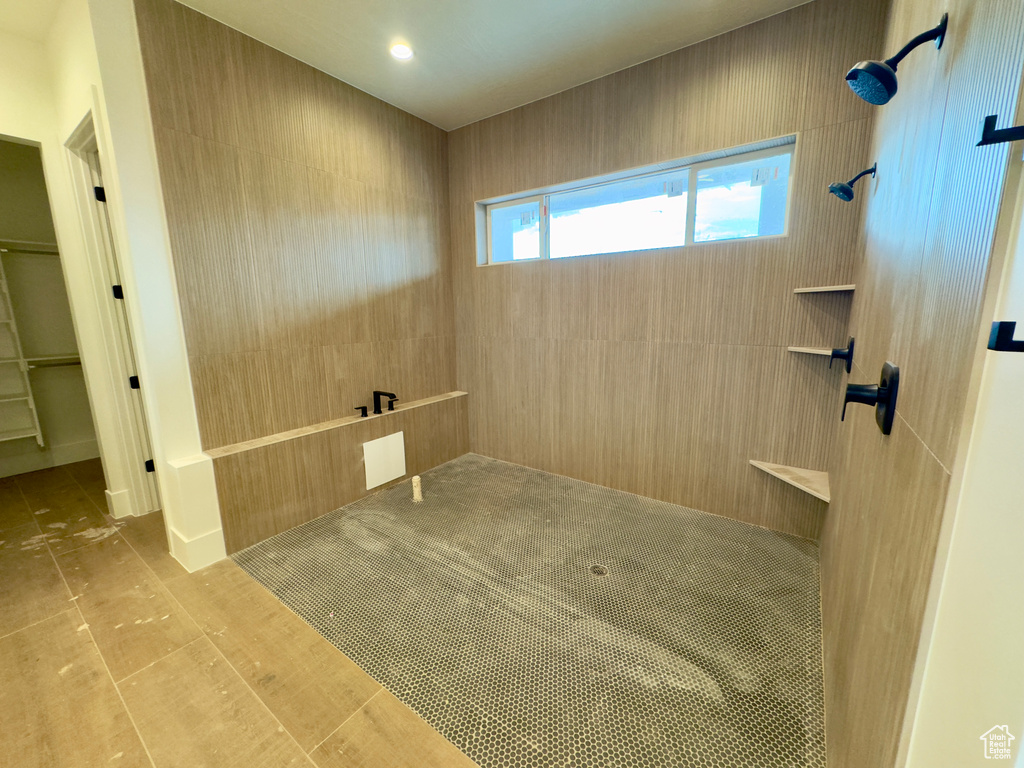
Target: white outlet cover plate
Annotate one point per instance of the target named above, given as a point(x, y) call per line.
point(384, 459)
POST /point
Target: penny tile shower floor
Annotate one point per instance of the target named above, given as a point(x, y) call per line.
point(536, 620)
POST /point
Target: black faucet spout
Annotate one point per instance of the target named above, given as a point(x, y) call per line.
point(377, 395)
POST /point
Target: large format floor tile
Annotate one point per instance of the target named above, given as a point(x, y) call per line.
point(59, 707)
point(14, 510)
point(386, 732)
point(305, 681)
point(133, 617)
point(31, 587)
point(194, 711)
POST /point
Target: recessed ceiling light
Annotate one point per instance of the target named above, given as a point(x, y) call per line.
point(401, 51)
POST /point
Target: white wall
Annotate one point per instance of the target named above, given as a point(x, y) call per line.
point(91, 61)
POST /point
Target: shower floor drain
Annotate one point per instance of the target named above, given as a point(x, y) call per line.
point(472, 608)
point(599, 570)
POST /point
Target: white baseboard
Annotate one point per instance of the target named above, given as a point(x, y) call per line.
point(119, 504)
point(199, 552)
point(192, 511)
point(33, 459)
point(69, 453)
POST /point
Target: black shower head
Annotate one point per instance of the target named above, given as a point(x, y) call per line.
point(844, 189)
point(875, 81)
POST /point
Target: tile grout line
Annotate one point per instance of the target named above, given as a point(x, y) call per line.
point(257, 696)
point(342, 724)
point(34, 623)
point(103, 660)
point(204, 635)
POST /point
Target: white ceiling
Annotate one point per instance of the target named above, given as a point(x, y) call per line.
point(476, 58)
point(28, 18)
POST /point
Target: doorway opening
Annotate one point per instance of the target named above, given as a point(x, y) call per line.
point(46, 418)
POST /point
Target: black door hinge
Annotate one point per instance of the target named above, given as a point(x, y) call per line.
point(118, 293)
point(101, 194)
point(133, 382)
point(150, 466)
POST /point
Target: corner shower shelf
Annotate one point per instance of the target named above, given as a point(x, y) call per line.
point(811, 350)
point(810, 481)
point(827, 289)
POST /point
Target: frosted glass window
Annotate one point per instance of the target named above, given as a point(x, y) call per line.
point(515, 232)
point(742, 200)
point(631, 215)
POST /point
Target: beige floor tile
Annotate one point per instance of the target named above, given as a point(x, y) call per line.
point(14, 509)
point(193, 711)
point(44, 482)
point(68, 516)
point(148, 538)
point(132, 616)
point(31, 587)
point(309, 685)
point(385, 732)
point(89, 475)
point(59, 707)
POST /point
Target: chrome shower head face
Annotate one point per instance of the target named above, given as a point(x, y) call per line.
point(842, 190)
point(873, 81)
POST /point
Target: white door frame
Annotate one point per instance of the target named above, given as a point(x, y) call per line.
point(125, 445)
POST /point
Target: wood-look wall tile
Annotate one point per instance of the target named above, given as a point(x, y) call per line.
point(734, 298)
point(929, 223)
point(297, 380)
point(304, 215)
point(885, 483)
point(163, 38)
point(266, 490)
point(203, 196)
point(338, 213)
point(233, 401)
point(59, 705)
point(280, 221)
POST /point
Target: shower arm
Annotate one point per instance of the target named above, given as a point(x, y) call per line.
point(863, 173)
point(937, 33)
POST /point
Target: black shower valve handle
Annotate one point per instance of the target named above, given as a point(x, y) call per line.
point(882, 396)
point(843, 354)
point(860, 393)
point(362, 410)
point(391, 403)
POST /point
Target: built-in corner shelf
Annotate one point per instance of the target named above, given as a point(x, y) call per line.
point(827, 289)
point(810, 481)
point(811, 351)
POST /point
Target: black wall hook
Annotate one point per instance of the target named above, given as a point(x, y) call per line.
point(882, 396)
point(1001, 338)
point(991, 135)
point(843, 354)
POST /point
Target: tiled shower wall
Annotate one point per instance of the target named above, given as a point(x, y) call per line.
point(664, 372)
point(929, 235)
point(309, 231)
